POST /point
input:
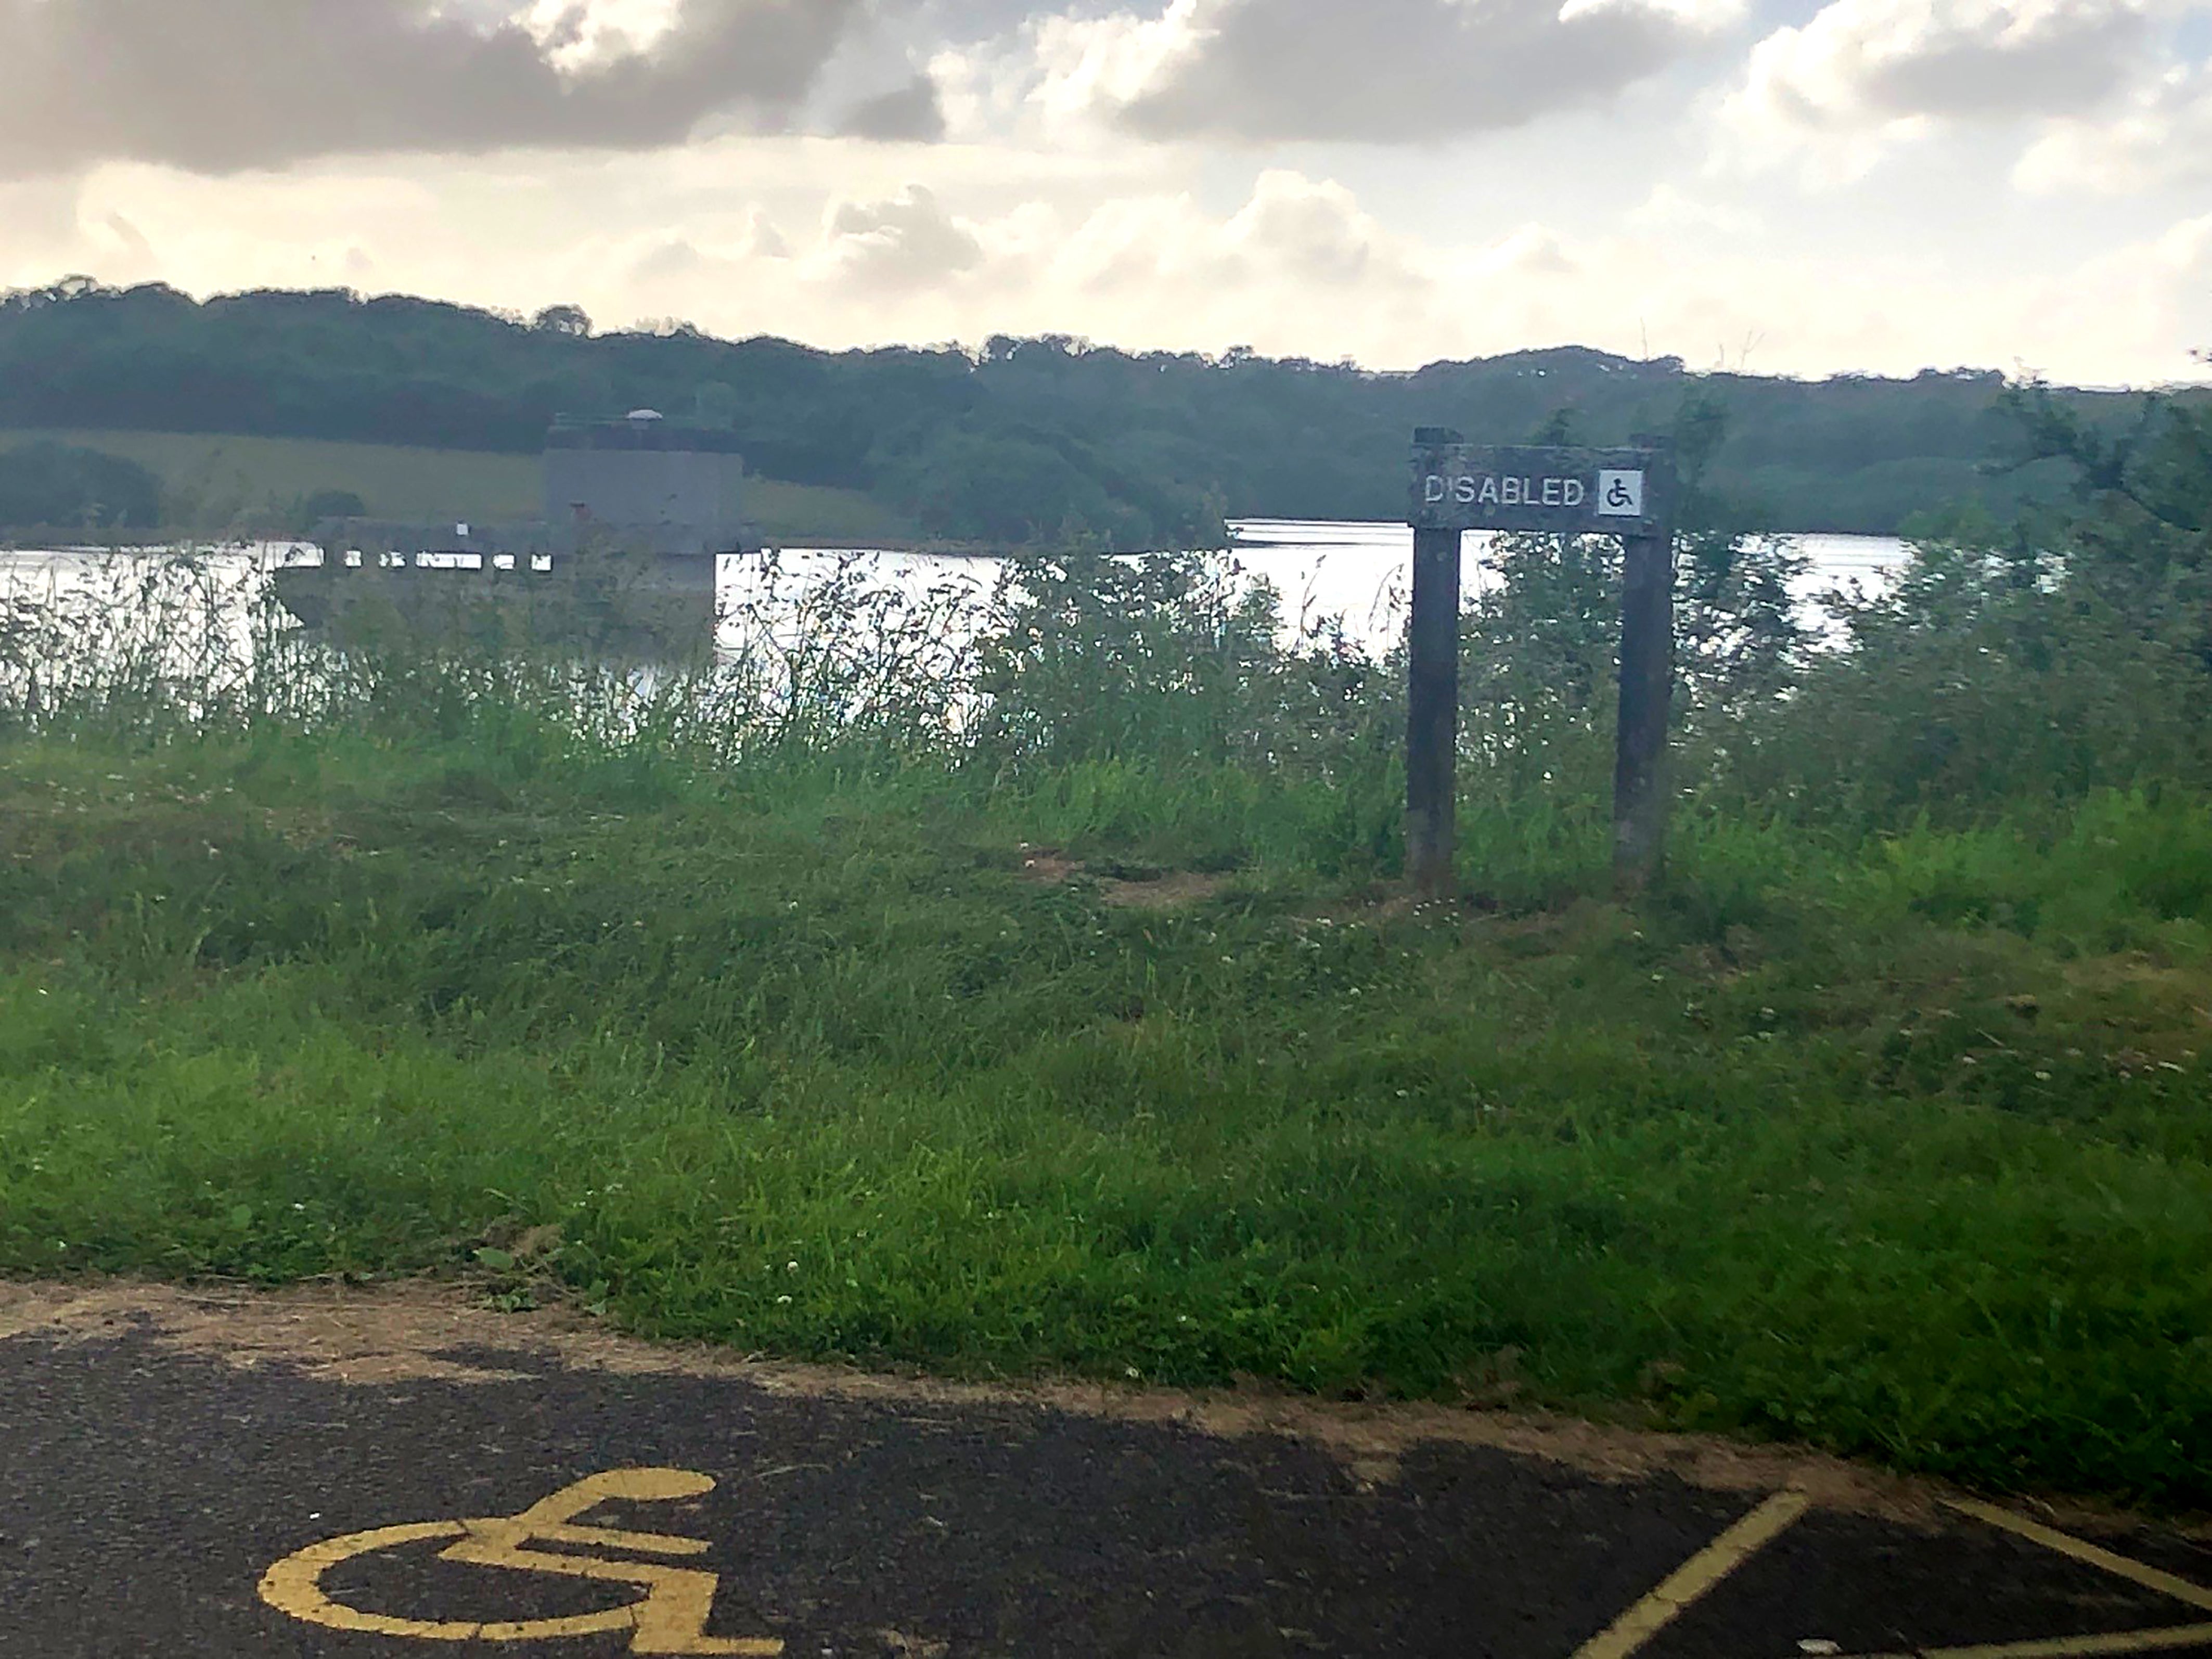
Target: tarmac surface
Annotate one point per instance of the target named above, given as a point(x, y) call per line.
point(387, 1476)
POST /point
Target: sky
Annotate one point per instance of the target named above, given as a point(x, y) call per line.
point(1780, 186)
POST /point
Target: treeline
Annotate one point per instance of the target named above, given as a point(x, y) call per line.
point(1022, 439)
point(57, 485)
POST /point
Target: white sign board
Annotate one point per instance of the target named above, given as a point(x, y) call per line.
point(1620, 495)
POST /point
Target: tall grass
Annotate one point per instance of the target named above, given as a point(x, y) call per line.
point(821, 998)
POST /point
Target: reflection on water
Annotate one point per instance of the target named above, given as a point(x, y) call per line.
point(1323, 570)
point(1358, 573)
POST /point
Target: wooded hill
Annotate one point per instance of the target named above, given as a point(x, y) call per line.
point(1021, 439)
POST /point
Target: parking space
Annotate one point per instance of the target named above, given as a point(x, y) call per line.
point(306, 1486)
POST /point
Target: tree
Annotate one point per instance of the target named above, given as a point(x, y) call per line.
point(573, 321)
point(1157, 433)
point(715, 403)
point(61, 486)
point(331, 504)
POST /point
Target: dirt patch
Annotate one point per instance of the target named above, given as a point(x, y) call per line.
point(1163, 893)
point(417, 1331)
point(1047, 868)
point(1167, 891)
point(393, 1335)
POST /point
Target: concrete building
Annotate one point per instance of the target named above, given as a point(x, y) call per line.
point(636, 512)
point(649, 485)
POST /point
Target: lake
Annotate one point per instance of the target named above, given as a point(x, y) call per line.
point(1360, 571)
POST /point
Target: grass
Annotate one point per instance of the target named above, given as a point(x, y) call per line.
point(213, 481)
point(1901, 1150)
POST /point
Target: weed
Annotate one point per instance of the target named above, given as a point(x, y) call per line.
point(719, 1000)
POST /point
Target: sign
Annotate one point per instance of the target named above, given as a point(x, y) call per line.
point(669, 1618)
point(1620, 495)
point(1568, 492)
point(1457, 487)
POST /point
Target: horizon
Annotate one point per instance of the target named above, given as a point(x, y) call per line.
point(976, 351)
point(1796, 187)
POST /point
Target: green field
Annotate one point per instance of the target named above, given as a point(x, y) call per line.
point(213, 483)
point(827, 1067)
point(1022, 981)
point(1048, 1004)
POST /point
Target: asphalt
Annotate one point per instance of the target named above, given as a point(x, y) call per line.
point(149, 1486)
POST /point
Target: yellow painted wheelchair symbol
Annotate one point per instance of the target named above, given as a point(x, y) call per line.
point(669, 1618)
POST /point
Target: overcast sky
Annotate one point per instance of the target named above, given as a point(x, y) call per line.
point(1786, 186)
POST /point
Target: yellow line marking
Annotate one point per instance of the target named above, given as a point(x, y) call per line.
point(670, 1619)
point(2119, 1565)
point(1695, 1577)
point(2079, 1647)
point(2073, 1647)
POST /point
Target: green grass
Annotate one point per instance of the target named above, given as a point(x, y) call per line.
point(213, 480)
point(1902, 1151)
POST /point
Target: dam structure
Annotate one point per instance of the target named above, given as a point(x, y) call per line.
point(637, 514)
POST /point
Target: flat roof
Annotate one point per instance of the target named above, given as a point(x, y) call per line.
point(665, 436)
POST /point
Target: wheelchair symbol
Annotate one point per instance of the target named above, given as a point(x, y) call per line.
point(671, 1618)
point(1620, 494)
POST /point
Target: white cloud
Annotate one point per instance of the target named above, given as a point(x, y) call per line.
point(577, 36)
point(1669, 207)
point(1865, 76)
point(841, 244)
point(1531, 251)
point(1384, 71)
point(2119, 303)
point(907, 241)
point(1315, 231)
point(2161, 139)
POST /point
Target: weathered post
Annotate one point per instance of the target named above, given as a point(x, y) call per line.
point(1433, 692)
point(1640, 787)
point(1629, 493)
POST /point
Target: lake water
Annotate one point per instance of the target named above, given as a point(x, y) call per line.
point(1360, 571)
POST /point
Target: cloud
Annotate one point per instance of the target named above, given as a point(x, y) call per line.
point(2162, 138)
point(1294, 236)
point(1669, 207)
point(913, 113)
point(908, 242)
point(2150, 299)
point(1531, 251)
point(1298, 265)
point(1864, 75)
point(219, 86)
point(1381, 70)
point(1315, 231)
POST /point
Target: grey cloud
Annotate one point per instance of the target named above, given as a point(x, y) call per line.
point(2159, 138)
point(133, 239)
point(221, 85)
point(912, 114)
point(2070, 59)
point(1395, 70)
point(908, 242)
point(673, 259)
point(1316, 230)
point(1858, 63)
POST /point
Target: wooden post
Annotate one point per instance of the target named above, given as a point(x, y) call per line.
point(1432, 713)
point(1640, 787)
point(1552, 490)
